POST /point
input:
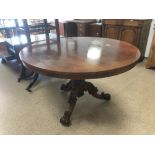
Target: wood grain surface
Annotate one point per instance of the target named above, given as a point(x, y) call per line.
point(80, 57)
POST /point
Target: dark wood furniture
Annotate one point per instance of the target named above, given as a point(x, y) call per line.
point(37, 28)
point(47, 29)
point(70, 29)
point(62, 27)
point(78, 59)
point(26, 35)
point(81, 27)
point(133, 31)
point(95, 30)
point(151, 59)
point(22, 37)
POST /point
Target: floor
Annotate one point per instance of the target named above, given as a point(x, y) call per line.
point(130, 111)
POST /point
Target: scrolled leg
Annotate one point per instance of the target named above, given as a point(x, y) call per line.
point(67, 86)
point(65, 119)
point(94, 92)
point(77, 88)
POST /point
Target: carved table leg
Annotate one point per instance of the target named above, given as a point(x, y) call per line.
point(33, 82)
point(67, 86)
point(94, 92)
point(65, 119)
point(77, 88)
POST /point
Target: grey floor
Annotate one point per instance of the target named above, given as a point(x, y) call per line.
point(130, 111)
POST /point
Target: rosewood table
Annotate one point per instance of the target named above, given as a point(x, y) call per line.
point(78, 59)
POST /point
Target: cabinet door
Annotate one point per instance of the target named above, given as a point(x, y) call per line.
point(130, 34)
point(70, 29)
point(112, 31)
point(151, 58)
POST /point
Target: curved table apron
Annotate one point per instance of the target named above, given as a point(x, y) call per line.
point(80, 58)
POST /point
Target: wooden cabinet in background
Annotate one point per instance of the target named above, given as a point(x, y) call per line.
point(83, 26)
point(82, 29)
point(111, 28)
point(123, 29)
point(111, 31)
point(130, 34)
point(70, 29)
point(151, 59)
point(95, 30)
point(80, 26)
point(133, 31)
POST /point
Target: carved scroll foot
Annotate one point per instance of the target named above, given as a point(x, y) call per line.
point(94, 92)
point(73, 86)
point(77, 89)
point(65, 119)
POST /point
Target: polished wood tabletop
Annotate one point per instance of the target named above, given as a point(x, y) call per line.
point(80, 57)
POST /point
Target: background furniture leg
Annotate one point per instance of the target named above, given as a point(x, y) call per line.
point(33, 82)
point(22, 73)
point(3, 61)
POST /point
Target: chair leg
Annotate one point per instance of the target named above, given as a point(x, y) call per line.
point(33, 82)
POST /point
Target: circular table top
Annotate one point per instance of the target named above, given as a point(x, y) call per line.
point(80, 57)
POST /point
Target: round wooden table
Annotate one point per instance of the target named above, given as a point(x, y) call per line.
point(78, 59)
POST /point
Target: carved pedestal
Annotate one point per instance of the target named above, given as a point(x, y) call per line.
point(77, 89)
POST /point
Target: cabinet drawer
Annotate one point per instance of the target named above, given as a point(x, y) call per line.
point(113, 21)
point(95, 34)
point(132, 22)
